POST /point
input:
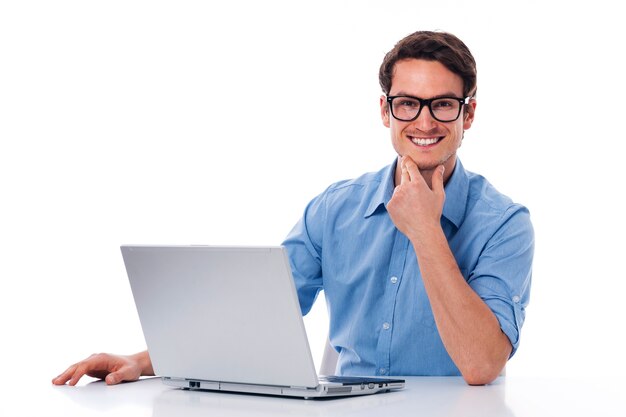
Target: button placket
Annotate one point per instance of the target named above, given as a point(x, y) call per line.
point(396, 269)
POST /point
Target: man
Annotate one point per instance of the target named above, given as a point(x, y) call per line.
point(426, 268)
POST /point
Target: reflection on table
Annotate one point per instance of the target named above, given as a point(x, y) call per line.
point(423, 396)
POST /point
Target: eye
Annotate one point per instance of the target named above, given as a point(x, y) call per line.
point(407, 102)
point(444, 104)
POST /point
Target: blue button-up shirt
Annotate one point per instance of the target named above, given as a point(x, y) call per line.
point(381, 322)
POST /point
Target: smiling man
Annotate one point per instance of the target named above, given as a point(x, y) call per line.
point(426, 268)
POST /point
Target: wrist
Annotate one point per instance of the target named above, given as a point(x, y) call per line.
point(426, 236)
point(144, 363)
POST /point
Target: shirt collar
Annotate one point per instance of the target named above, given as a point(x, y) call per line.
point(383, 193)
point(456, 189)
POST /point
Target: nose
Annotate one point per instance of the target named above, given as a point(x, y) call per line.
point(425, 120)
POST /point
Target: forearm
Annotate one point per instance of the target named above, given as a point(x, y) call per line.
point(469, 330)
point(144, 362)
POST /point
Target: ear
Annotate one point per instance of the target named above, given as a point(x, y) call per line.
point(468, 117)
point(384, 110)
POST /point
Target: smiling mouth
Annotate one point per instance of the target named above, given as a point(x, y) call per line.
point(425, 141)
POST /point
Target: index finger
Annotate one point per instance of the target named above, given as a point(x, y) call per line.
point(411, 167)
point(404, 175)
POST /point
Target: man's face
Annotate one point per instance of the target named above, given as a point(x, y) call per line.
point(427, 141)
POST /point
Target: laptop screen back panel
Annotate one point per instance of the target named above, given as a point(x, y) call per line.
point(220, 314)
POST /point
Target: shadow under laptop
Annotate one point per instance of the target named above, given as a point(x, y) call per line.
point(437, 396)
point(203, 403)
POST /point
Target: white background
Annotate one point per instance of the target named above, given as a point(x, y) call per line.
point(209, 123)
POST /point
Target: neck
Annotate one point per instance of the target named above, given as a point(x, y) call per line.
point(427, 173)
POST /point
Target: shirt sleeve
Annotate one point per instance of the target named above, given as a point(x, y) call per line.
point(304, 247)
point(503, 273)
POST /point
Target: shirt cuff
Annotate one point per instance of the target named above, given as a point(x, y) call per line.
point(510, 314)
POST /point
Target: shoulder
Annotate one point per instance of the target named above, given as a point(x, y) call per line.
point(493, 209)
point(358, 196)
point(364, 186)
point(362, 183)
point(483, 195)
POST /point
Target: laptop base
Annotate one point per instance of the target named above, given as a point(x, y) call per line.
point(368, 386)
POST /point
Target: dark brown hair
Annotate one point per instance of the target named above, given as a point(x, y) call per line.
point(432, 46)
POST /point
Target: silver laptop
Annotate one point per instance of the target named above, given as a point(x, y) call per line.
point(228, 319)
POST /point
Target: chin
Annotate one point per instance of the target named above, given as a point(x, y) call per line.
point(428, 167)
point(426, 164)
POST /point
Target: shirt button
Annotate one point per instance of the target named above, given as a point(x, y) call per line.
point(386, 326)
point(382, 371)
point(516, 298)
point(394, 280)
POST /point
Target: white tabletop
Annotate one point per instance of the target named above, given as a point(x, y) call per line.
point(423, 396)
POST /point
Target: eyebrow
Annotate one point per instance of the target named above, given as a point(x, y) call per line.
point(447, 94)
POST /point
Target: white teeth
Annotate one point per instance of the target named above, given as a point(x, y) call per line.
point(424, 142)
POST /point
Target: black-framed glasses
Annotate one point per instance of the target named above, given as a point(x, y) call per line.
point(443, 109)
